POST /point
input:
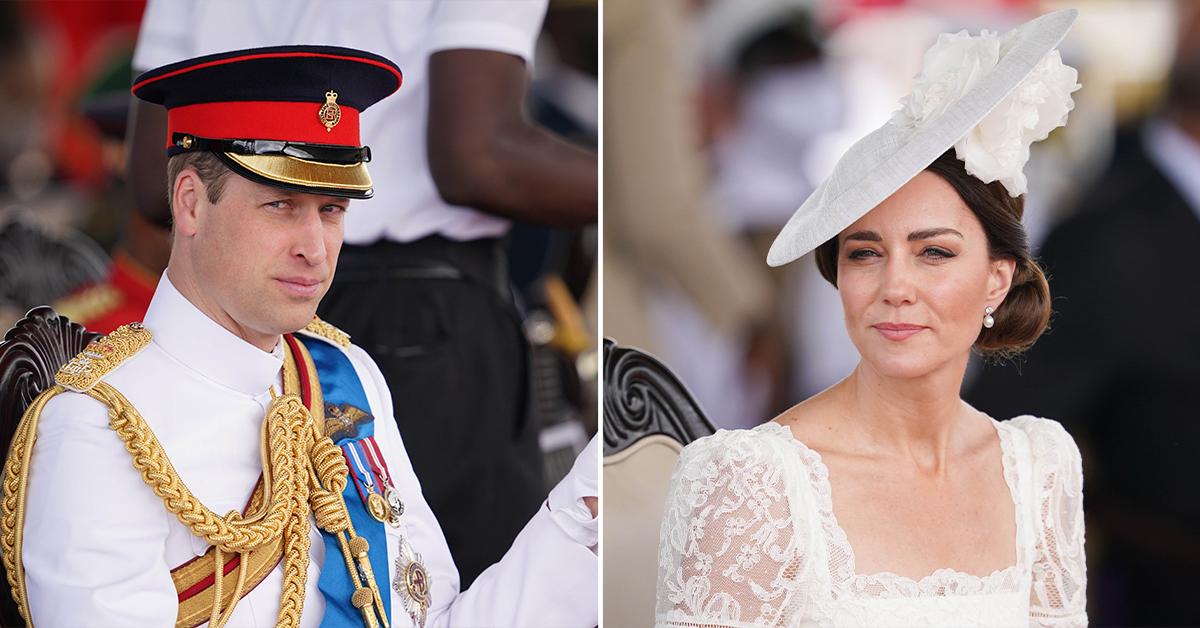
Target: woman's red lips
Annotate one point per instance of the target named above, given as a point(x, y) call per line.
point(898, 326)
point(898, 331)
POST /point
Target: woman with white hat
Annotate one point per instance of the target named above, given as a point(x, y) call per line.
point(886, 499)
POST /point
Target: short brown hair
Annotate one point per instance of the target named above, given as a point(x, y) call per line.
point(211, 170)
point(1025, 313)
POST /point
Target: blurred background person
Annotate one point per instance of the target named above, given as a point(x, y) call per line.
point(662, 245)
point(64, 208)
point(454, 305)
point(766, 96)
point(1120, 359)
point(143, 247)
point(552, 268)
point(779, 89)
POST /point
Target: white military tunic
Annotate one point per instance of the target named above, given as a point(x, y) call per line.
point(99, 545)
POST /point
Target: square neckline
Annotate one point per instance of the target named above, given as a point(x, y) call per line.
point(933, 583)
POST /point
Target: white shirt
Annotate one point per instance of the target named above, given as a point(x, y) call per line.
point(406, 205)
point(99, 545)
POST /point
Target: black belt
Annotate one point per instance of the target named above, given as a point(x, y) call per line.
point(484, 262)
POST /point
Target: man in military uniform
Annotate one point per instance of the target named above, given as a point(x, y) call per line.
point(214, 464)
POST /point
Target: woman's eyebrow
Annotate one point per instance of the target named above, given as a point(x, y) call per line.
point(868, 236)
point(926, 234)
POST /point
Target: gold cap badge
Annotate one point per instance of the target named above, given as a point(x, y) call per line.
point(330, 113)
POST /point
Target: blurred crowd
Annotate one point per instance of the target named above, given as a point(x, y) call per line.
point(491, 358)
point(721, 116)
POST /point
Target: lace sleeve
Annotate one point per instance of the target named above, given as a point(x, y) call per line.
point(1058, 595)
point(732, 549)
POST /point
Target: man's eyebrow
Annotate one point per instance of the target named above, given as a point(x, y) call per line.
point(275, 193)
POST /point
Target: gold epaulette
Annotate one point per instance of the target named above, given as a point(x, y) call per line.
point(318, 327)
point(102, 356)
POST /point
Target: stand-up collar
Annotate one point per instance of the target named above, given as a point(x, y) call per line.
point(198, 342)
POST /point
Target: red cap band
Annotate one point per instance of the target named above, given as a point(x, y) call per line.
point(282, 121)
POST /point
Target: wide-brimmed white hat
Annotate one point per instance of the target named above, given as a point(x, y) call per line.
point(988, 96)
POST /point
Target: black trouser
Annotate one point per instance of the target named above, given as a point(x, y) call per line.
point(438, 318)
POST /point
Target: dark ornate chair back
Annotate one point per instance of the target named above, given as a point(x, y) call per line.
point(649, 416)
point(30, 355)
point(38, 265)
point(642, 397)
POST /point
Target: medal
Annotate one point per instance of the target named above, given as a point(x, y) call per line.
point(411, 582)
point(394, 504)
point(378, 507)
point(390, 494)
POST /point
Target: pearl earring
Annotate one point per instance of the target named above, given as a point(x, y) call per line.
point(988, 321)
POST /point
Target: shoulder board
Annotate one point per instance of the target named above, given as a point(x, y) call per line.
point(321, 329)
point(102, 356)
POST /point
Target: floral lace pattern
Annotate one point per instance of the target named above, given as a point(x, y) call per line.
point(1059, 568)
point(749, 538)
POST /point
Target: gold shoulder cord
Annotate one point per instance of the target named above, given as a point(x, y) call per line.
point(302, 469)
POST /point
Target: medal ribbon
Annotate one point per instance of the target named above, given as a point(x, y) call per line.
point(378, 464)
point(360, 472)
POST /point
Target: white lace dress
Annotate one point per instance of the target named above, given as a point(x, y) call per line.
point(749, 538)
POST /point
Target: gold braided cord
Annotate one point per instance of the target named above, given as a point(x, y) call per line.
point(285, 511)
point(364, 563)
point(303, 471)
point(231, 534)
point(296, 538)
point(214, 618)
point(12, 504)
point(328, 463)
point(216, 621)
point(250, 562)
point(329, 475)
point(327, 510)
point(243, 567)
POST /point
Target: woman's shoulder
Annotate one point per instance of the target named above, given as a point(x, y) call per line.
point(746, 474)
point(761, 436)
point(1042, 432)
point(1049, 442)
point(766, 444)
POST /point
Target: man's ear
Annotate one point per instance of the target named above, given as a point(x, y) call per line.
point(186, 197)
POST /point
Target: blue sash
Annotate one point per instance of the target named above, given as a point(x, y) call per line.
point(343, 394)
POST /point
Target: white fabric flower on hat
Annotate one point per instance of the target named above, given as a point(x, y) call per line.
point(997, 148)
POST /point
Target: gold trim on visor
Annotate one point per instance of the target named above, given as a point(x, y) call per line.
point(307, 173)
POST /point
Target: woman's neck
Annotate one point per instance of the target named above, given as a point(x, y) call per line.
point(919, 419)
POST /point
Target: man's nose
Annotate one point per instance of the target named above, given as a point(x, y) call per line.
point(309, 237)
